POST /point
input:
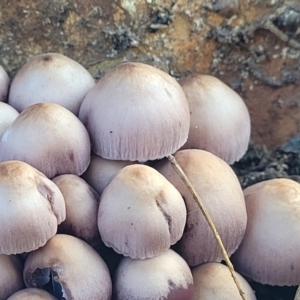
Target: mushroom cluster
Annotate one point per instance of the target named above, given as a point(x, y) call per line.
point(96, 215)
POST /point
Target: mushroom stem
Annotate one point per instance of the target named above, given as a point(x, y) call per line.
point(199, 202)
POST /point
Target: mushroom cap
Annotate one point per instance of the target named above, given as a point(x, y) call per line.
point(222, 195)
point(32, 294)
point(268, 253)
point(101, 171)
point(50, 77)
point(48, 137)
point(75, 266)
point(7, 115)
point(136, 112)
point(297, 296)
point(11, 279)
point(213, 281)
point(82, 203)
point(220, 121)
point(166, 276)
point(4, 84)
point(141, 214)
point(31, 207)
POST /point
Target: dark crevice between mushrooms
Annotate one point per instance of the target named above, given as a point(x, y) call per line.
point(47, 279)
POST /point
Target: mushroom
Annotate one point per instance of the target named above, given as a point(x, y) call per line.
point(166, 276)
point(4, 84)
point(268, 253)
point(297, 296)
point(50, 77)
point(136, 112)
point(48, 137)
point(31, 294)
point(101, 171)
point(11, 279)
point(213, 281)
point(68, 268)
point(220, 121)
point(82, 203)
point(7, 115)
point(141, 214)
point(220, 191)
point(31, 207)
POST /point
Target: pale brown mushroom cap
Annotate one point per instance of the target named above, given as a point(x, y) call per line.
point(4, 84)
point(269, 251)
point(166, 276)
point(31, 207)
point(136, 112)
point(222, 195)
point(82, 203)
point(79, 270)
point(11, 279)
point(220, 121)
point(50, 77)
point(141, 214)
point(48, 137)
point(213, 281)
point(32, 294)
point(7, 115)
point(297, 296)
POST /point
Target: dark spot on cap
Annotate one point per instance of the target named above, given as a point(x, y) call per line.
point(71, 155)
point(47, 58)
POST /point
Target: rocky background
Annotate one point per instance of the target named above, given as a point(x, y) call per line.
point(252, 45)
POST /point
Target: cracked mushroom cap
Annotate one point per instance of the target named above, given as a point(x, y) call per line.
point(141, 214)
point(213, 281)
point(31, 207)
point(50, 77)
point(166, 276)
point(70, 267)
point(7, 115)
point(48, 137)
point(82, 203)
point(32, 294)
point(4, 84)
point(136, 112)
point(220, 121)
point(11, 279)
point(268, 253)
point(222, 195)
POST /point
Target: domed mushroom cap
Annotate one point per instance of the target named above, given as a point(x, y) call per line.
point(136, 112)
point(4, 84)
point(50, 77)
point(222, 195)
point(31, 294)
point(268, 253)
point(7, 115)
point(31, 207)
point(49, 138)
point(220, 121)
point(213, 281)
point(82, 203)
point(11, 279)
point(71, 266)
point(166, 276)
point(141, 214)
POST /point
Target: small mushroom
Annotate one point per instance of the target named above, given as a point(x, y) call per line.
point(136, 112)
point(220, 121)
point(68, 268)
point(4, 84)
point(31, 207)
point(141, 214)
point(222, 195)
point(48, 137)
point(166, 276)
point(82, 203)
point(31, 294)
point(213, 281)
point(269, 251)
point(50, 77)
point(11, 279)
point(7, 115)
